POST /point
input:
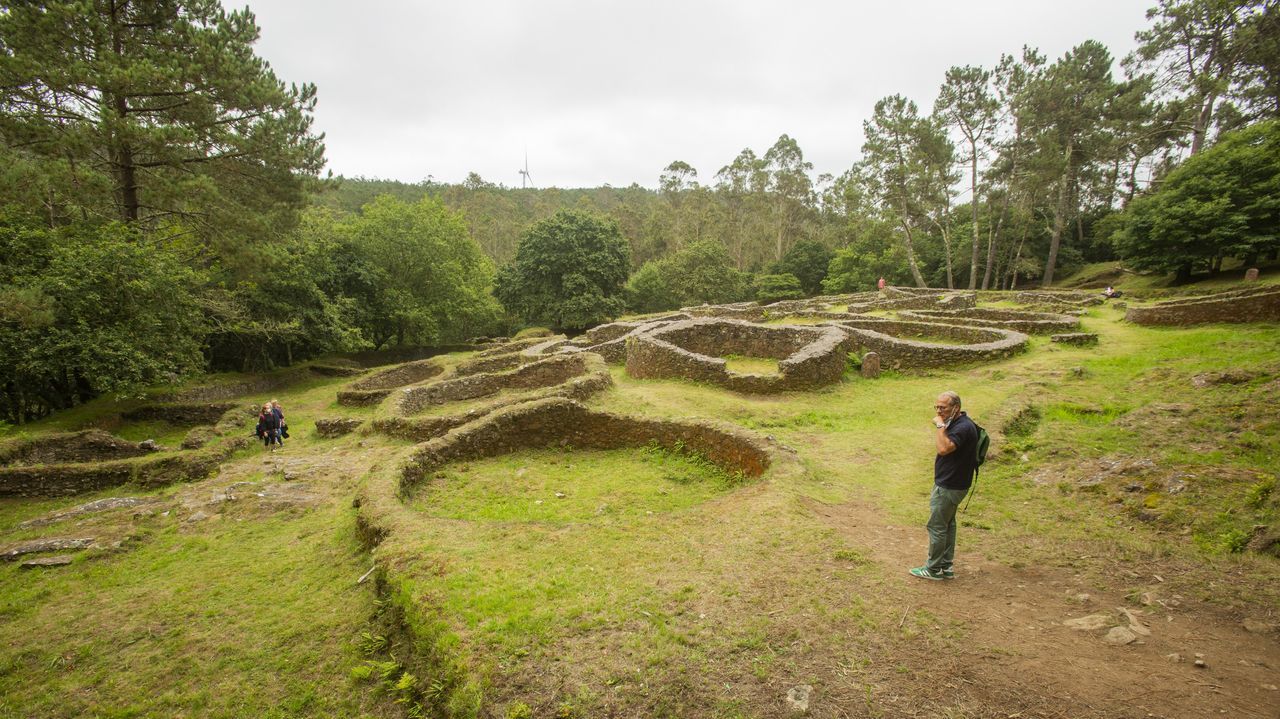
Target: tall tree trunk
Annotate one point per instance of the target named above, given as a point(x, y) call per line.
point(122, 152)
point(1059, 221)
point(1017, 258)
point(1201, 127)
point(946, 248)
point(1132, 182)
point(911, 254)
point(991, 239)
point(973, 200)
point(1112, 179)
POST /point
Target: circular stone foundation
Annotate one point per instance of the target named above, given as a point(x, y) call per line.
point(1019, 321)
point(808, 357)
point(908, 345)
point(559, 487)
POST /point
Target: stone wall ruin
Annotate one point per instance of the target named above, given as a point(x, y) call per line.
point(594, 379)
point(810, 356)
point(558, 421)
point(1255, 304)
point(551, 371)
point(61, 465)
point(91, 445)
point(376, 387)
point(890, 340)
point(1019, 321)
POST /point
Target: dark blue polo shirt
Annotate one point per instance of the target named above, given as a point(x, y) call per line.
point(955, 470)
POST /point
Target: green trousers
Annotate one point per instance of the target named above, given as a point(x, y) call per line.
point(942, 527)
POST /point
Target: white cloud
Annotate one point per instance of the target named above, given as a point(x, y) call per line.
point(610, 92)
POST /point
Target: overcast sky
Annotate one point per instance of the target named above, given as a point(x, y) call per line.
point(610, 92)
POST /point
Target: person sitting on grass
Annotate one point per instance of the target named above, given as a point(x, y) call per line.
point(956, 440)
point(268, 427)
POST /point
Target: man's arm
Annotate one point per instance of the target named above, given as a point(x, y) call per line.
point(945, 445)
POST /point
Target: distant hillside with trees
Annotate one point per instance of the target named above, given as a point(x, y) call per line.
point(162, 210)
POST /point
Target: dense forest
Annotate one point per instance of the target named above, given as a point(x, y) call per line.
point(163, 210)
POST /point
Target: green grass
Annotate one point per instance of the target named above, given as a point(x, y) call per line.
point(556, 487)
point(165, 434)
point(654, 570)
point(241, 619)
point(751, 365)
point(246, 614)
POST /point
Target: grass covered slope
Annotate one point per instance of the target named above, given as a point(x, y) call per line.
point(1132, 474)
point(230, 597)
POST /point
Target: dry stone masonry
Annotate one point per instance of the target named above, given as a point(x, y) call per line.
point(376, 387)
point(593, 377)
point(559, 421)
point(810, 357)
point(891, 340)
point(337, 427)
point(1020, 321)
point(91, 445)
point(93, 460)
point(549, 372)
point(1255, 304)
point(1079, 339)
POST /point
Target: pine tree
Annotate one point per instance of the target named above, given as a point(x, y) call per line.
point(154, 111)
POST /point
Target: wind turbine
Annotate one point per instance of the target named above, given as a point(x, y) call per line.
point(526, 180)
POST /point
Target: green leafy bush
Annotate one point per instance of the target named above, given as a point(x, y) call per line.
point(568, 272)
point(772, 288)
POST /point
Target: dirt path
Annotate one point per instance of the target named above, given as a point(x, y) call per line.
point(1017, 659)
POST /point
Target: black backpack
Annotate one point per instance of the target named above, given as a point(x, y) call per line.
point(981, 447)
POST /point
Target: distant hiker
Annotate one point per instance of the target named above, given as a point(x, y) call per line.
point(956, 439)
point(284, 426)
point(268, 427)
point(880, 284)
point(1110, 292)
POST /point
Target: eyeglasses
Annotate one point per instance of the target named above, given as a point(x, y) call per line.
point(942, 406)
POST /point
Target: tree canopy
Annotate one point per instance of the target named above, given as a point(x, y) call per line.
point(568, 272)
point(158, 111)
point(1224, 201)
point(91, 309)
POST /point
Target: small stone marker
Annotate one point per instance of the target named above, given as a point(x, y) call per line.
point(798, 698)
point(1120, 636)
point(871, 365)
point(1080, 339)
point(337, 427)
point(60, 560)
point(1251, 274)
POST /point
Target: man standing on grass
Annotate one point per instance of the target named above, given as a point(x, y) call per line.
point(956, 438)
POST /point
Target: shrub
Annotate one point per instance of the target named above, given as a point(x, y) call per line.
point(772, 288)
